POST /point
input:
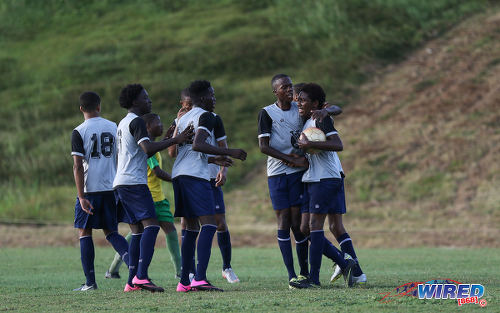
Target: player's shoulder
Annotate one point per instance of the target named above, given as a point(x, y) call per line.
point(270, 107)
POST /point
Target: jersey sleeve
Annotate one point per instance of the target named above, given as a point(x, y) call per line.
point(265, 124)
point(77, 144)
point(327, 126)
point(219, 131)
point(207, 122)
point(138, 129)
point(153, 162)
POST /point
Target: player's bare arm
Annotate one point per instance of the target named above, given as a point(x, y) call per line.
point(328, 109)
point(290, 160)
point(151, 147)
point(79, 178)
point(201, 145)
point(220, 180)
point(332, 143)
point(161, 174)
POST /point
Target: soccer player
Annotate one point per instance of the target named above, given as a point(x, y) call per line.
point(194, 199)
point(324, 181)
point(165, 218)
point(93, 147)
point(130, 183)
point(279, 128)
point(218, 176)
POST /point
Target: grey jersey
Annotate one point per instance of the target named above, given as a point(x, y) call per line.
point(189, 162)
point(324, 164)
point(94, 140)
point(283, 129)
point(219, 134)
point(132, 166)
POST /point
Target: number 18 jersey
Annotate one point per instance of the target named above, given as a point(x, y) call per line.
point(94, 140)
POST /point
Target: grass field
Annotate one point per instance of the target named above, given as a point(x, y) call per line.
point(41, 279)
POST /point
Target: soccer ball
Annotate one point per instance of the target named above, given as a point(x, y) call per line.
point(313, 134)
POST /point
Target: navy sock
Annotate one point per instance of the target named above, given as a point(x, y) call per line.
point(204, 248)
point(87, 256)
point(286, 251)
point(302, 247)
point(134, 251)
point(224, 241)
point(120, 245)
point(331, 252)
point(148, 241)
point(316, 253)
point(187, 253)
point(347, 247)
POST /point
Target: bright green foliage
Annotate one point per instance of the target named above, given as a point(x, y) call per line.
point(53, 50)
point(41, 279)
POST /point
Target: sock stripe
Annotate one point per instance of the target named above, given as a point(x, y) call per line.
point(136, 234)
point(284, 239)
point(192, 230)
point(85, 237)
point(208, 225)
point(221, 232)
point(302, 241)
point(317, 231)
point(345, 240)
point(157, 226)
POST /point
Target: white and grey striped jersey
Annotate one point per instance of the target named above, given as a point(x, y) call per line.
point(189, 162)
point(283, 129)
point(94, 140)
point(132, 168)
point(324, 164)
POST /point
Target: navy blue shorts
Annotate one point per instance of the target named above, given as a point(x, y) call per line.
point(193, 196)
point(220, 208)
point(104, 217)
point(327, 196)
point(134, 203)
point(286, 190)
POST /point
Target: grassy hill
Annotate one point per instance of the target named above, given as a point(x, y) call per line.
point(421, 147)
point(53, 50)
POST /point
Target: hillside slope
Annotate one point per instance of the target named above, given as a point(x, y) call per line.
point(421, 148)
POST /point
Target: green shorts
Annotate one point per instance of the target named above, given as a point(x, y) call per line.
point(163, 213)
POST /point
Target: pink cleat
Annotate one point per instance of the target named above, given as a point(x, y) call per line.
point(204, 285)
point(146, 284)
point(129, 288)
point(182, 288)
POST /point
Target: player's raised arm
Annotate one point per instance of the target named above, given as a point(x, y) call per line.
point(150, 148)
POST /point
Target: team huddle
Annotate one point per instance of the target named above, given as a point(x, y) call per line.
point(118, 176)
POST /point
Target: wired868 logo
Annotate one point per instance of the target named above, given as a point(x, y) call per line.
point(440, 289)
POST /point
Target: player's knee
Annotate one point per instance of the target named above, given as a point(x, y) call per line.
point(83, 232)
point(304, 228)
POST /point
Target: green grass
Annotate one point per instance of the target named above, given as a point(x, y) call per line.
point(41, 279)
point(45, 63)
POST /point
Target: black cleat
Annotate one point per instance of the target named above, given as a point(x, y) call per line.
point(347, 272)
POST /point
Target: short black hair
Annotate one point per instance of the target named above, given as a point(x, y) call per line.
point(199, 88)
point(315, 92)
point(128, 94)
point(89, 101)
point(149, 118)
point(185, 93)
point(297, 88)
point(277, 77)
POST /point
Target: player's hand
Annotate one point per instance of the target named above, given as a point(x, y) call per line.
point(303, 142)
point(239, 154)
point(185, 135)
point(220, 179)
point(181, 112)
point(170, 132)
point(221, 160)
point(319, 115)
point(86, 206)
point(295, 160)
